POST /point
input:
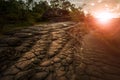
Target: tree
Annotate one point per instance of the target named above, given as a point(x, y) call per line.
point(61, 4)
point(77, 14)
point(30, 4)
point(54, 3)
point(39, 9)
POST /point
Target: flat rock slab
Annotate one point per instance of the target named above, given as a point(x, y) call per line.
point(23, 35)
point(11, 41)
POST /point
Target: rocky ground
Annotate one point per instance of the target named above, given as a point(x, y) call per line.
point(43, 52)
point(57, 51)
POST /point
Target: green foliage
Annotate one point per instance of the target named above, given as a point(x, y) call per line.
point(29, 11)
point(62, 4)
point(18, 11)
point(77, 14)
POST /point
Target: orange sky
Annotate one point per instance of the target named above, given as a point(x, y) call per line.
point(94, 6)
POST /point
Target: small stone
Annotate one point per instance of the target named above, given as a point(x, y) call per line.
point(37, 53)
point(81, 48)
point(23, 64)
point(29, 55)
point(23, 35)
point(56, 60)
point(41, 56)
point(52, 54)
point(62, 56)
point(44, 32)
point(45, 63)
point(65, 25)
point(27, 44)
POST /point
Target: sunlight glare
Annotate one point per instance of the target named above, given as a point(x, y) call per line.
point(104, 17)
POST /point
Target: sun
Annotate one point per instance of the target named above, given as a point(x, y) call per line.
point(104, 16)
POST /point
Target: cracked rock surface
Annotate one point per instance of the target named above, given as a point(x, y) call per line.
point(43, 52)
point(56, 51)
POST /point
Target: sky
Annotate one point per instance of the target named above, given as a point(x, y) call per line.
point(94, 6)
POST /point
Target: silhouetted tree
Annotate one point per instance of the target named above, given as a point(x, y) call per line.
point(61, 4)
point(19, 11)
point(39, 9)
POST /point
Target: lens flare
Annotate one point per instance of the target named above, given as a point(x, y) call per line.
point(104, 17)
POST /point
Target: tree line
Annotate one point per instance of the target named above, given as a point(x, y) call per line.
point(30, 11)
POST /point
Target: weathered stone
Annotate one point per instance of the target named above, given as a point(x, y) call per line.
point(65, 25)
point(23, 35)
point(52, 54)
point(11, 41)
point(40, 56)
point(11, 71)
point(25, 75)
point(56, 60)
point(23, 64)
point(29, 55)
point(45, 63)
point(40, 76)
point(62, 56)
point(27, 44)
